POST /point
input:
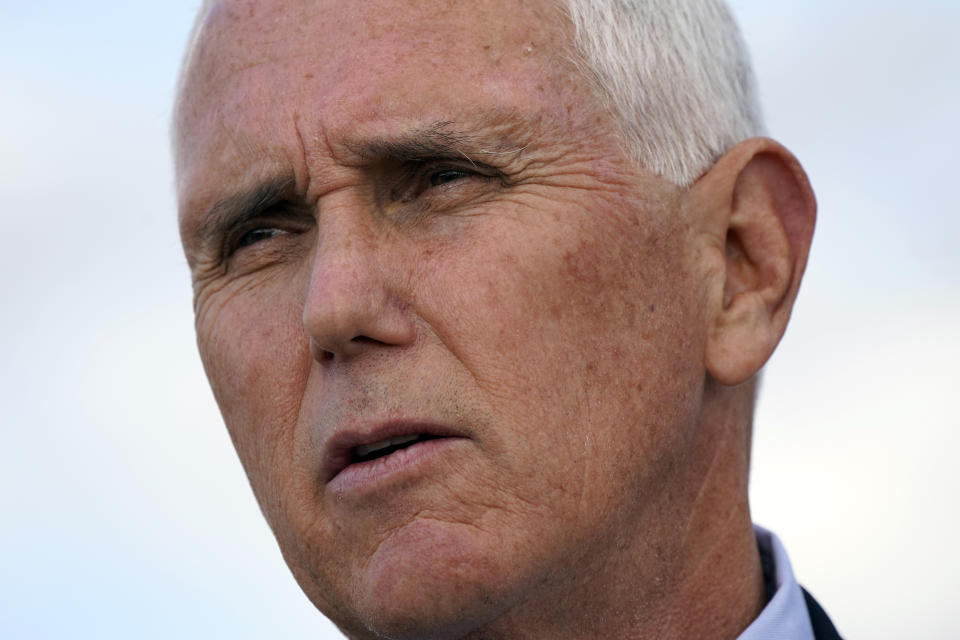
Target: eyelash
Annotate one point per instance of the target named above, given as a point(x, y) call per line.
point(420, 176)
point(271, 232)
point(271, 225)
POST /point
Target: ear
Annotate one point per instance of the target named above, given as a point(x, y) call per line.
point(756, 212)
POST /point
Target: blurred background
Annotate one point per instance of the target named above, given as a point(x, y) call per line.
point(123, 510)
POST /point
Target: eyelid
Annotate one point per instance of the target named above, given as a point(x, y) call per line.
point(416, 172)
point(283, 220)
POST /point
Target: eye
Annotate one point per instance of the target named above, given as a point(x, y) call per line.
point(258, 235)
point(438, 183)
point(439, 178)
point(424, 177)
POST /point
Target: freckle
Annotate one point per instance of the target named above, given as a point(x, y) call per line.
point(308, 76)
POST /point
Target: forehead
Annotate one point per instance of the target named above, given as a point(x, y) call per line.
point(244, 29)
point(332, 69)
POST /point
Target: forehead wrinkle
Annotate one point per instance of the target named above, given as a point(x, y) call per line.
point(232, 156)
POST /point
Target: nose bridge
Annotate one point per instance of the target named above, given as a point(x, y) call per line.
point(353, 300)
point(344, 272)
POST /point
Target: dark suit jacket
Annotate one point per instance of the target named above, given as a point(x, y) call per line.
point(823, 629)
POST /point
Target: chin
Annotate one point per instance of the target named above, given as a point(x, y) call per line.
point(433, 580)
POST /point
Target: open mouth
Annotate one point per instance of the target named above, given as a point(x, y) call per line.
point(383, 448)
point(361, 458)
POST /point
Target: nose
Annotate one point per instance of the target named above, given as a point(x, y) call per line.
point(355, 302)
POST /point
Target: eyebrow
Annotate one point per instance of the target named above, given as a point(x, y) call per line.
point(242, 207)
point(433, 141)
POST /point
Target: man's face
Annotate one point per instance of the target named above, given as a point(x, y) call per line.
point(410, 219)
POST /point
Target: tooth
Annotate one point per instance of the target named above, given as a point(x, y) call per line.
point(366, 449)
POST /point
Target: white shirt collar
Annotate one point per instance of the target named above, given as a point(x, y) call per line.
point(785, 617)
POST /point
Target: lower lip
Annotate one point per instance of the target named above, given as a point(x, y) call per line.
point(365, 476)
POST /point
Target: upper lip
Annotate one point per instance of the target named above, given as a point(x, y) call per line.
point(339, 451)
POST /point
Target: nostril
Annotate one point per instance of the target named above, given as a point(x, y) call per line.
point(319, 353)
point(352, 347)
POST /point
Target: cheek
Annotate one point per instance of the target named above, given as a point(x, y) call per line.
point(555, 302)
point(256, 356)
point(579, 338)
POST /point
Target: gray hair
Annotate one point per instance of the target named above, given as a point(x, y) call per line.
point(676, 75)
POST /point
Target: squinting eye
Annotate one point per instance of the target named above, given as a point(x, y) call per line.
point(418, 178)
point(445, 176)
point(256, 235)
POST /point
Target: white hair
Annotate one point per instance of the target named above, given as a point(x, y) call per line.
point(676, 74)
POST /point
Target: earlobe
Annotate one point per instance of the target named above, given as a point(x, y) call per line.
point(759, 211)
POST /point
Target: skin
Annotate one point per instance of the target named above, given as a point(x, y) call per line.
point(453, 236)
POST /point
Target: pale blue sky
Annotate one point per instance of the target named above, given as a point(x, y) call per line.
point(125, 513)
